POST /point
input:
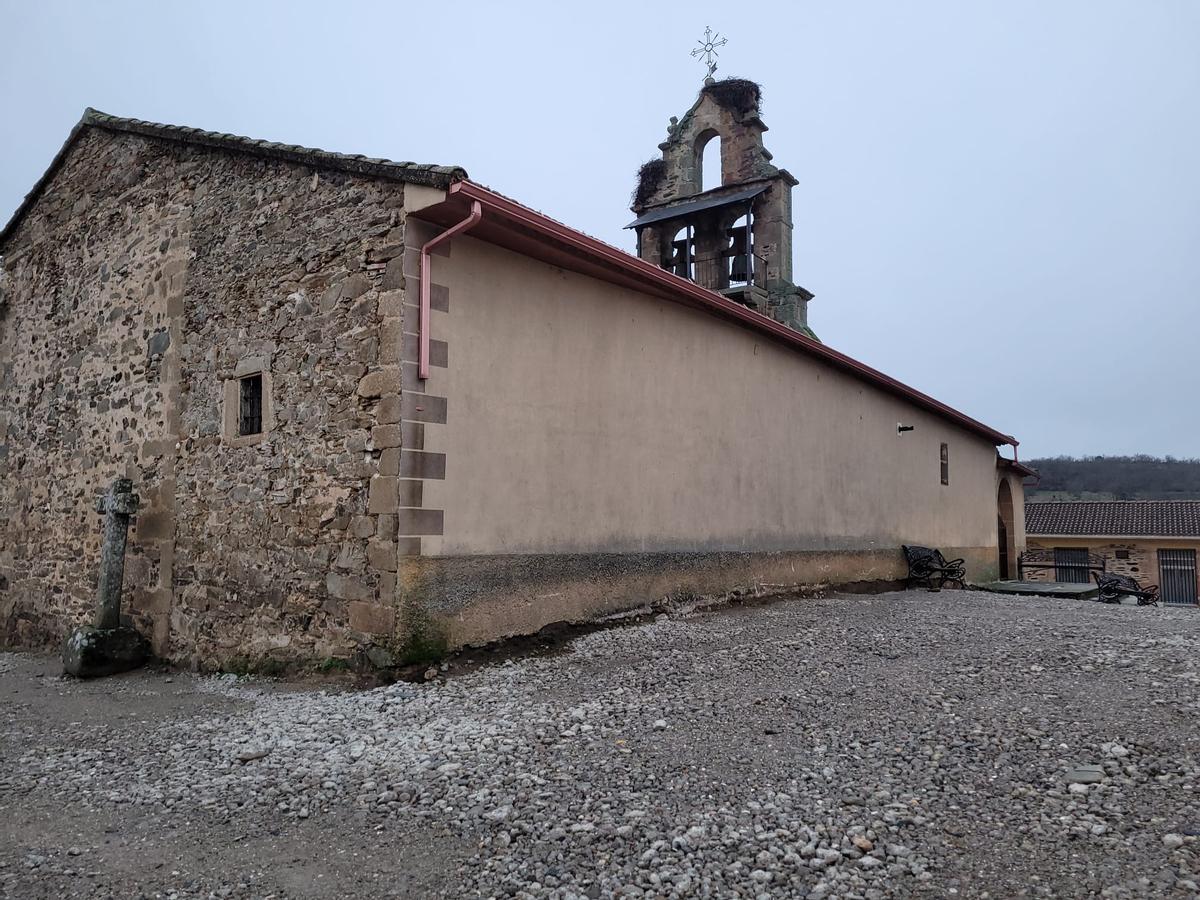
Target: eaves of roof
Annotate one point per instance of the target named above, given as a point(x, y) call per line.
point(1184, 538)
point(509, 224)
point(696, 204)
point(1017, 466)
point(413, 173)
point(1122, 518)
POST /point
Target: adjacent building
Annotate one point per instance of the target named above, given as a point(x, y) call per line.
point(376, 410)
point(1154, 541)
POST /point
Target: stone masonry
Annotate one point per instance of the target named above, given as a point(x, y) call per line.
point(149, 276)
point(726, 111)
point(1137, 560)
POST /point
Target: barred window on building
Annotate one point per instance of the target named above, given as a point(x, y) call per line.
point(250, 408)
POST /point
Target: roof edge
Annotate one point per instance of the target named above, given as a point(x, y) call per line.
point(1097, 502)
point(412, 173)
point(1088, 536)
point(1017, 466)
point(718, 304)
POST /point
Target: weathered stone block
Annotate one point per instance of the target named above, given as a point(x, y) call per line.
point(411, 491)
point(381, 497)
point(344, 587)
point(413, 436)
point(362, 526)
point(389, 410)
point(382, 556)
point(389, 461)
point(385, 380)
point(383, 254)
point(387, 586)
point(355, 286)
point(371, 618)
point(385, 436)
point(416, 522)
point(94, 652)
point(381, 657)
point(391, 340)
point(393, 275)
point(439, 297)
point(424, 408)
point(422, 464)
point(391, 302)
point(329, 298)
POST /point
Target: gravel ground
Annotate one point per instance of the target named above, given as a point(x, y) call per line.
point(952, 744)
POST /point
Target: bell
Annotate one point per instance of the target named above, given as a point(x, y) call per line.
point(738, 271)
point(679, 260)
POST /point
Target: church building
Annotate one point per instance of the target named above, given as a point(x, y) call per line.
point(375, 410)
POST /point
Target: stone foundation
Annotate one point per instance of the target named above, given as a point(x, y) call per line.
point(473, 600)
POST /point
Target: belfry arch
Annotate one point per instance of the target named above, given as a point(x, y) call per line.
point(709, 164)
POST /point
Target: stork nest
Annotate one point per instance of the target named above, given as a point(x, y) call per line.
point(738, 94)
point(649, 179)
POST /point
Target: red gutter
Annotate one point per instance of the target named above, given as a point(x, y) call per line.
point(423, 328)
point(1018, 467)
point(592, 247)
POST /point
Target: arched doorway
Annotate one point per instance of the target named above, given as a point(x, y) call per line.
point(1004, 529)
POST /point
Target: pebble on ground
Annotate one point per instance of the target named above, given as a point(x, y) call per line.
point(904, 744)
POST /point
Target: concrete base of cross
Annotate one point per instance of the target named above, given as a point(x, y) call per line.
point(90, 652)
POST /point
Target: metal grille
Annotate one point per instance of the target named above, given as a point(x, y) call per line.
point(1071, 565)
point(250, 410)
point(1177, 576)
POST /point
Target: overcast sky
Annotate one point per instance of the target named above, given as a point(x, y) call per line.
point(999, 202)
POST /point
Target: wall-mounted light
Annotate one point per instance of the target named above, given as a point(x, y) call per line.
point(901, 428)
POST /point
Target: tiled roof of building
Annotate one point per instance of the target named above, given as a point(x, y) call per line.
point(1119, 518)
point(519, 228)
point(414, 173)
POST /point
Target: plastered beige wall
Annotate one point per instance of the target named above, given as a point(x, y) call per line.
point(584, 417)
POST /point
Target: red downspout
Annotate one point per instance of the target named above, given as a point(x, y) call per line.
point(423, 338)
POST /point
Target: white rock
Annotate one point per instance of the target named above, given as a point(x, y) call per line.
point(252, 752)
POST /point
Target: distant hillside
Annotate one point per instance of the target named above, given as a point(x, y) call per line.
point(1115, 478)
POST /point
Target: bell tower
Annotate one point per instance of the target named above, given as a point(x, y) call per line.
point(735, 238)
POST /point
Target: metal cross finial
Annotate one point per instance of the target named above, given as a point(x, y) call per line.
point(708, 49)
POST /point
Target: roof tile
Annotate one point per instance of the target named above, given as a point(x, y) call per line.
point(415, 173)
point(1122, 518)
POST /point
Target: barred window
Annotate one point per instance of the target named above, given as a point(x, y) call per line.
point(1071, 565)
point(251, 404)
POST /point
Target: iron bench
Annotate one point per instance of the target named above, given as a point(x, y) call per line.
point(928, 567)
point(1113, 587)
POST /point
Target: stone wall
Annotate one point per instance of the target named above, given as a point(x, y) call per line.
point(147, 277)
point(92, 281)
point(1138, 560)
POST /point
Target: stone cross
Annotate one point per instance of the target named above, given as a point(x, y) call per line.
point(117, 506)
